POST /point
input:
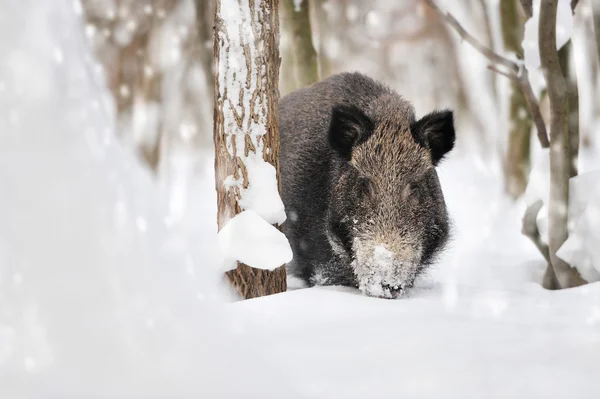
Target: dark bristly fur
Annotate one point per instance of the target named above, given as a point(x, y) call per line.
point(362, 195)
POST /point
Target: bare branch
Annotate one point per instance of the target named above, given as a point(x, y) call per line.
point(534, 107)
point(485, 51)
point(519, 71)
point(509, 75)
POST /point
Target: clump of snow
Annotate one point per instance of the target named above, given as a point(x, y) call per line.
point(262, 195)
point(382, 256)
point(581, 248)
point(564, 30)
point(249, 239)
point(297, 5)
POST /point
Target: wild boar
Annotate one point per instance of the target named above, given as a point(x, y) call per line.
point(365, 207)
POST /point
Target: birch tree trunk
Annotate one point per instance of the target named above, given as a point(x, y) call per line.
point(296, 21)
point(560, 163)
point(517, 159)
point(246, 53)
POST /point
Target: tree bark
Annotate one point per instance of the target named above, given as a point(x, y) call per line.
point(246, 52)
point(560, 165)
point(570, 75)
point(596, 18)
point(296, 21)
point(517, 160)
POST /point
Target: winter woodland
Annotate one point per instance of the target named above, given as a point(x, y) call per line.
point(142, 244)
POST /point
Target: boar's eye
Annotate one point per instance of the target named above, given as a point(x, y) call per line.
point(367, 187)
point(411, 193)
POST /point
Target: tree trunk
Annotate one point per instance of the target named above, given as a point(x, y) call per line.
point(596, 16)
point(287, 73)
point(246, 52)
point(560, 163)
point(325, 32)
point(296, 21)
point(517, 160)
point(570, 75)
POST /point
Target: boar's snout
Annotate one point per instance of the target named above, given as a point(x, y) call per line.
point(384, 271)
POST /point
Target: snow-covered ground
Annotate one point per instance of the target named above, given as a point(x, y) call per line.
point(479, 326)
point(103, 294)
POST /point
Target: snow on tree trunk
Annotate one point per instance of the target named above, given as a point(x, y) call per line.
point(246, 132)
point(296, 20)
point(560, 163)
point(517, 160)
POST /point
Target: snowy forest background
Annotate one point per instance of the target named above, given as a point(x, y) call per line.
point(110, 277)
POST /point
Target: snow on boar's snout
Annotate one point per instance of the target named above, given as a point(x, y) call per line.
point(386, 207)
point(359, 183)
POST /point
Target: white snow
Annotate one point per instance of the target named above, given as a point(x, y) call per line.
point(297, 5)
point(262, 194)
point(250, 239)
point(478, 325)
point(581, 248)
point(564, 30)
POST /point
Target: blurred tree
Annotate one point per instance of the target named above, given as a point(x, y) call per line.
point(560, 153)
point(205, 11)
point(589, 105)
point(153, 55)
point(565, 56)
point(320, 11)
point(246, 100)
point(489, 33)
point(596, 16)
point(517, 157)
point(295, 20)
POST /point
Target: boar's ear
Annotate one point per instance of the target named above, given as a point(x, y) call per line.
point(349, 126)
point(435, 131)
